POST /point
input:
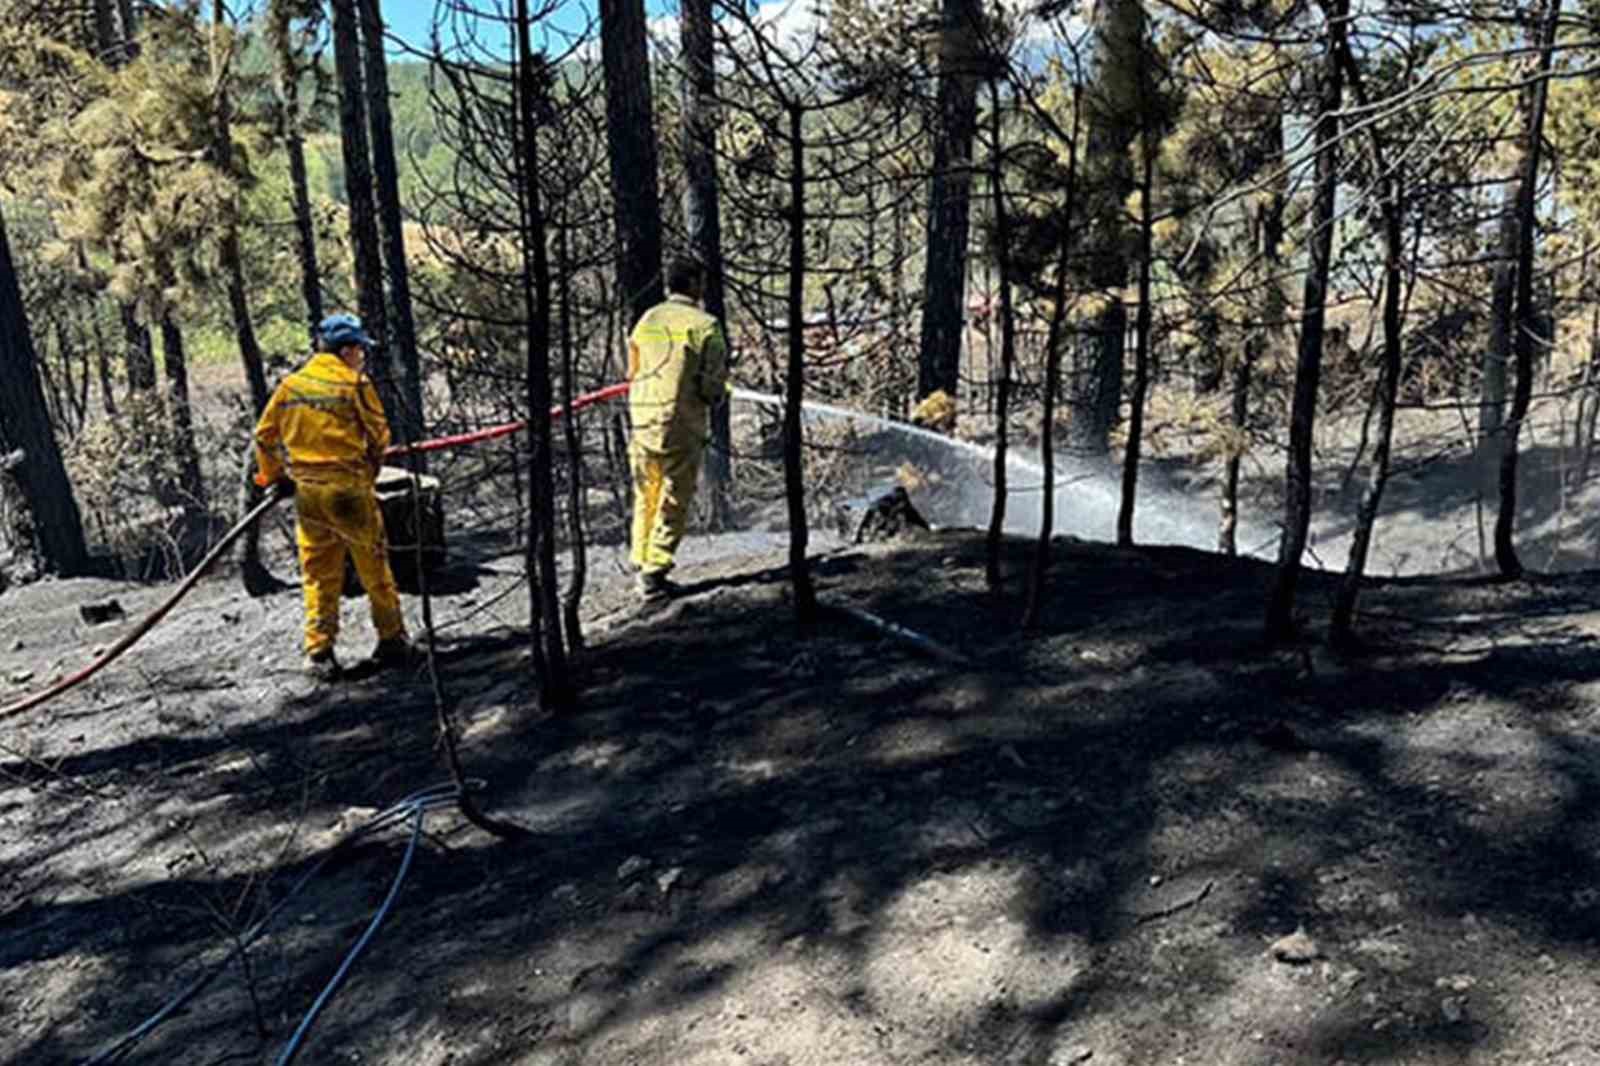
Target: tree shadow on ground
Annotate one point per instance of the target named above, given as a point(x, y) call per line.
point(751, 830)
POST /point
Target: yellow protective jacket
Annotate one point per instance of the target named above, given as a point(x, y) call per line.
point(678, 366)
point(329, 421)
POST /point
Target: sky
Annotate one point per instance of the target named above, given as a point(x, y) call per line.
point(784, 20)
point(412, 20)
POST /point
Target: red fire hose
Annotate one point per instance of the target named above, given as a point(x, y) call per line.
point(147, 623)
point(588, 399)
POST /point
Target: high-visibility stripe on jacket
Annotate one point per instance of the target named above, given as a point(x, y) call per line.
point(328, 420)
point(678, 366)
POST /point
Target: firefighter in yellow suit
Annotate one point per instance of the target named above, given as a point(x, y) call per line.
point(678, 369)
point(327, 420)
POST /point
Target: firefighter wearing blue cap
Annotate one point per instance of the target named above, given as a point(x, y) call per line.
point(322, 436)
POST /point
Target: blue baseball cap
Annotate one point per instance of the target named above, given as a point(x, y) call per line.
point(337, 331)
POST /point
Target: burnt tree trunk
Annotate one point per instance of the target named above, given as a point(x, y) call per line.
point(231, 258)
point(1590, 407)
point(949, 201)
point(1342, 628)
point(1497, 357)
point(287, 73)
point(1528, 331)
point(549, 649)
point(140, 358)
point(805, 596)
point(175, 364)
point(305, 229)
point(402, 327)
point(1392, 206)
point(1008, 343)
point(105, 32)
point(244, 332)
point(1239, 416)
point(1308, 367)
point(1096, 389)
point(364, 239)
point(41, 476)
point(577, 532)
point(631, 143)
point(1141, 352)
point(1034, 604)
point(703, 219)
point(1054, 339)
point(1268, 241)
point(108, 392)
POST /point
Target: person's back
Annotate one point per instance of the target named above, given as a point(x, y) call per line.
point(327, 424)
point(330, 421)
point(676, 365)
point(678, 370)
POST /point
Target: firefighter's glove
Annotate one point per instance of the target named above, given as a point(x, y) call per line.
point(283, 489)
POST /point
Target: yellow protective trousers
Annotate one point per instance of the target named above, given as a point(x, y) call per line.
point(337, 517)
point(663, 488)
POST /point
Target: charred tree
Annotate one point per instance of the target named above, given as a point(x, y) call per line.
point(402, 328)
point(572, 601)
point(1526, 313)
point(175, 365)
point(1266, 221)
point(1308, 366)
point(232, 259)
point(630, 136)
point(548, 647)
point(950, 200)
point(1008, 340)
point(1141, 351)
point(1115, 104)
point(139, 357)
point(1034, 604)
point(288, 70)
point(41, 476)
point(702, 217)
point(805, 596)
point(1391, 207)
point(364, 239)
